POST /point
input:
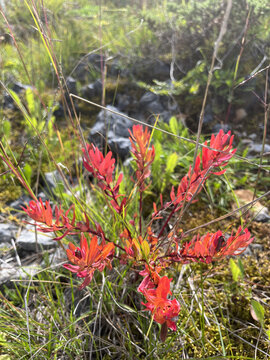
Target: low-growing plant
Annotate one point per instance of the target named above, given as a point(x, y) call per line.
point(147, 252)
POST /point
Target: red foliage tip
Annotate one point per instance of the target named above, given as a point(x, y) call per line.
point(89, 258)
point(222, 142)
point(38, 212)
point(140, 148)
point(41, 213)
point(192, 183)
point(101, 168)
point(162, 309)
point(213, 246)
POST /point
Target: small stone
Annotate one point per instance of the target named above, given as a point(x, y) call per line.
point(17, 204)
point(27, 240)
point(225, 127)
point(7, 232)
point(252, 136)
point(11, 271)
point(240, 114)
point(71, 85)
point(53, 179)
point(257, 148)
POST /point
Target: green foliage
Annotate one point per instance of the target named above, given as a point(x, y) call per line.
point(173, 156)
point(259, 311)
point(236, 269)
point(27, 172)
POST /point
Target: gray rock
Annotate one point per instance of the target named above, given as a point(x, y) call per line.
point(71, 85)
point(155, 107)
point(166, 116)
point(92, 90)
point(120, 146)
point(10, 271)
point(19, 87)
point(148, 98)
point(111, 130)
point(116, 123)
point(8, 102)
point(53, 178)
point(225, 127)
point(255, 149)
point(252, 136)
point(149, 69)
point(124, 102)
point(263, 215)
point(7, 232)
point(27, 240)
point(208, 115)
point(42, 196)
point(17, 204)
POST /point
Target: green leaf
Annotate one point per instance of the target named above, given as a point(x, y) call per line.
point(127, 308)
point(241, 267)
point(236, 272)
point(145, 248)
point(27, 170)
point(15, 97)
point(194, 88)
point(6, 128)
point(268, 334)
point(171, 163)
point(174, 125)
point(258, 310)
point(29, 95)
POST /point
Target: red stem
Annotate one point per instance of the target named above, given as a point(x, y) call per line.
point(166, 222)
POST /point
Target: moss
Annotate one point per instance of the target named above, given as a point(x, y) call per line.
point(9, 192)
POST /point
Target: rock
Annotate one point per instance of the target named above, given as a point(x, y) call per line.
point(27, 240)
point(155, 107)
point(60, 111)
point(240, 114)
point(95, 61)
point(149, 69)
point(52, 179)
point(17, 204)
point(263, 215)
point(8, 102)
point(258, 212)
point(114, 122)
point(252, 136)
point(165, 116)
point(119, 145)
point(9, 271)
point(71, 85)
point(19, 87)
point(152, 104)
point(88, 66)
point(124, 102)
point(92, 90)
point(252, 249)
point(148, 98)
point(112, 128)
point(7, 232)
point(225, 127)
point(255, 149)
point(208, 115)
point(42, 196)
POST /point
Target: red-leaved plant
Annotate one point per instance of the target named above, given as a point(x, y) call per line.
point(142, 247)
